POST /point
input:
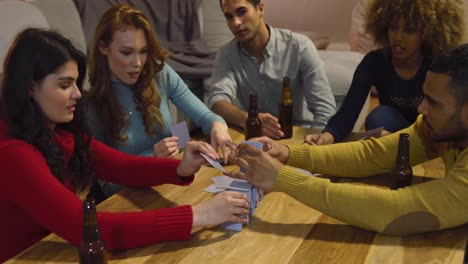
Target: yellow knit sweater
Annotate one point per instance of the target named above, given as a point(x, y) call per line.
point(433, 205)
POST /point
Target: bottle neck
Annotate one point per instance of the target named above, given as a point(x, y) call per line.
point(403, 151)
point(90, 223)
point(286, 94)
point(253, 109)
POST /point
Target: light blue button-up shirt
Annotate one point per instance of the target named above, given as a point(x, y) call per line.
point(287, 53)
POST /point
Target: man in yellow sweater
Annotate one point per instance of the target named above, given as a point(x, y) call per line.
point(440, 130)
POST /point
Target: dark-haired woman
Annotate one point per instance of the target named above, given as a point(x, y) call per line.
point(47, 159)
point(411, 33)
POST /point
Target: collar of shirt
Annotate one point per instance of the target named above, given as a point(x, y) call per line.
point(269, 48)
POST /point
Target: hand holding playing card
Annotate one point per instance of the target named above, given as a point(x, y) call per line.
point(275, 149)
point(220, 138)
point(192, 159)
point(213, 162)
point(166, 148)
point(224, 207)
point(260, 167)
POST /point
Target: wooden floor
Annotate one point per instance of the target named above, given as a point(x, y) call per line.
point(374, 102)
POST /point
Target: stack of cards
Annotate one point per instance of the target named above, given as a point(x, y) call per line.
point(254, 195)
point(223, 183)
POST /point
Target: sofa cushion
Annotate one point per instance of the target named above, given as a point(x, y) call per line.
point(320, 41)
point(63, 17)
point(11, 25)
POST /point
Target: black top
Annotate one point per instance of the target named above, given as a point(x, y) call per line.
point(376, 69)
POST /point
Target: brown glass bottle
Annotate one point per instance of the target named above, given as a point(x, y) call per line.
point(402, 173)
point(253, 125)
point(91, 248)
point(286, 110)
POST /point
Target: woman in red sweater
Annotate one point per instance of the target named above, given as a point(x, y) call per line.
point(47, 158)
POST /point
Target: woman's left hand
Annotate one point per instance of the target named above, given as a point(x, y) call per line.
point(220, 138)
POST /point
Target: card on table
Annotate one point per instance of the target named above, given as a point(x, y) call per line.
point(180, 130)
point(370, 133)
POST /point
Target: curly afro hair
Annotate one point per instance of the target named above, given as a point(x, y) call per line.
point(441, 21)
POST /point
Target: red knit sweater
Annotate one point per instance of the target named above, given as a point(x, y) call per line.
point(35, 203)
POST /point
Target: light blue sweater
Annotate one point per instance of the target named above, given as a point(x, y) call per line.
point(171, 87)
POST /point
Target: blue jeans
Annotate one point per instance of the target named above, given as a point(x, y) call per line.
point(387, 117)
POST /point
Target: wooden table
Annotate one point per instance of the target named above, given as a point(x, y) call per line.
point(282, 231)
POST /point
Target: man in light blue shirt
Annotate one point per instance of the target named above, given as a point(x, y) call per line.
point(257, 60)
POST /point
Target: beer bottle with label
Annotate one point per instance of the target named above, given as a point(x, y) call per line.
point(253, 125)
point(286, 109)
point(91, 248)
point(402, 173)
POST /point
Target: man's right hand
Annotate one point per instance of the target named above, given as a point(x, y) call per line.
point(275, 149)
point(324, 138)
point(270, 126)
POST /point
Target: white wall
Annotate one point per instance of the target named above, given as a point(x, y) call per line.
point(330, 18)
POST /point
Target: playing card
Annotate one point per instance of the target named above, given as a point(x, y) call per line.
point(258, 145)
point(370, 133)
point(239, 185)
point(180, 130)
point(232, 226)
point(214, 189)
point(213, 163)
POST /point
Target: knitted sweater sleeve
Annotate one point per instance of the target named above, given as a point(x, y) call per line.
point(131, 170)
point(188, 103)
point(36, 191)
point(341, 124)
point(419, 208)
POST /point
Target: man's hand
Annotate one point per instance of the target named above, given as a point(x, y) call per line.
point(261, 168)
point(270, 126)
point(275, 149)
point(324, 138)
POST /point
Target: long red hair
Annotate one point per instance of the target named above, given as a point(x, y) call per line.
point(145, 92)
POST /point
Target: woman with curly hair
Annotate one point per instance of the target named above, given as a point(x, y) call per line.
point(411, 33)
point(131, 87)
point(47, 159)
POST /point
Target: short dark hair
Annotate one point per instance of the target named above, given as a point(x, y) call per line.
point(253, 2)
point(454, 62)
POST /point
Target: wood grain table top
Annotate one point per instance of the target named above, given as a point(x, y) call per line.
point(282, 230)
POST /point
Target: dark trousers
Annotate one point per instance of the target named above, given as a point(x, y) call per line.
point(387, 117)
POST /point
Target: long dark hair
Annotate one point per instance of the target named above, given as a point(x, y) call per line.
point(34, 54)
